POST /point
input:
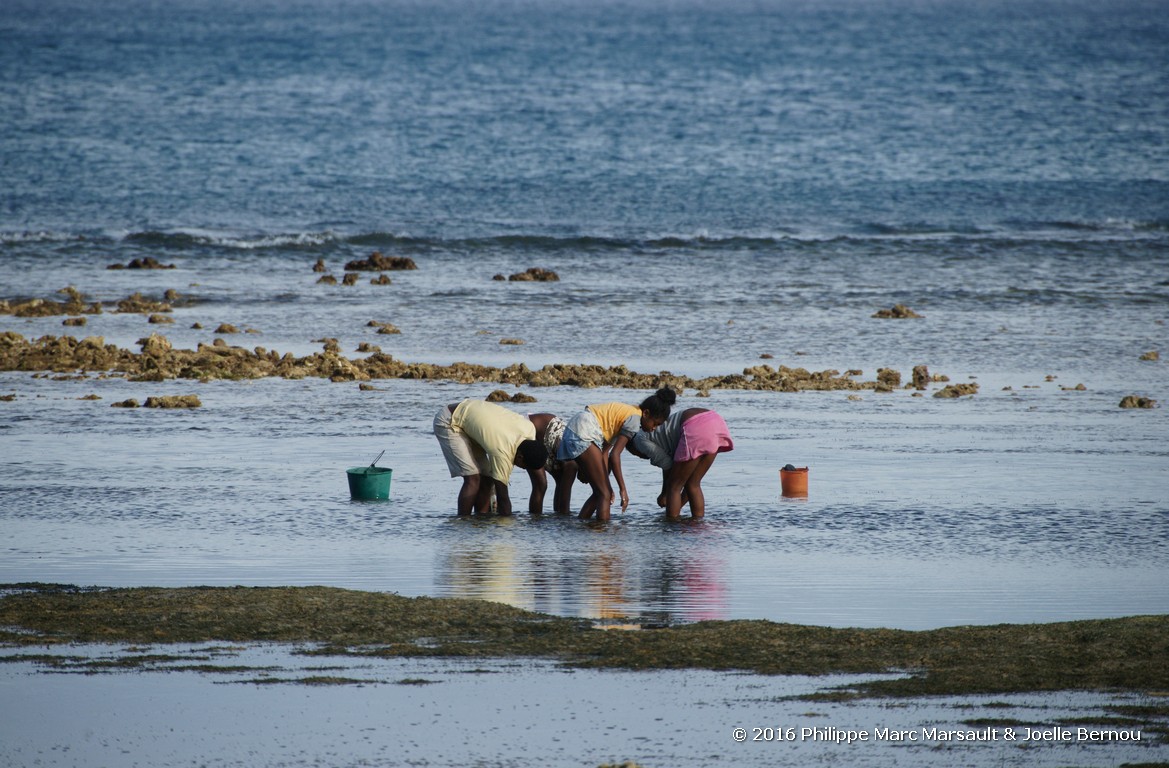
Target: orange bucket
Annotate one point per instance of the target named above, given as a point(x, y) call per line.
point(794, 480)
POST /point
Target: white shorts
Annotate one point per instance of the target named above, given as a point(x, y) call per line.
point(463, 457)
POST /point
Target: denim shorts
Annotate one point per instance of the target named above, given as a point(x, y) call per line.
point(582, 431)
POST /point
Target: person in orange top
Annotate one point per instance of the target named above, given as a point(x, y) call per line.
point(595, 438)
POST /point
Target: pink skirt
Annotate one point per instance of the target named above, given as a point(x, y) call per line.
point(703, 435)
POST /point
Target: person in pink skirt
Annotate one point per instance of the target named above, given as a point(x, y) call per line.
point(684, 445)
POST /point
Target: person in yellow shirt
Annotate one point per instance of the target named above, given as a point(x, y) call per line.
point(595, 438)
point(481, 442)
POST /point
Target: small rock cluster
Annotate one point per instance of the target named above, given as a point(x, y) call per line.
point(148, 262)
point(377, 262)
point(897, 312)
point(531, 274)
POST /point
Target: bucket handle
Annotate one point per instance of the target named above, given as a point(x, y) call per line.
point(375, 461)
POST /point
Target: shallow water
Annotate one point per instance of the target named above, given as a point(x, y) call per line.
point(502, 714)
point(1019, 506)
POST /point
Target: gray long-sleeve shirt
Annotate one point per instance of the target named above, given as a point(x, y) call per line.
point(659, 445)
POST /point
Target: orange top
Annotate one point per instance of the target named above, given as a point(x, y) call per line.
point(614, 416)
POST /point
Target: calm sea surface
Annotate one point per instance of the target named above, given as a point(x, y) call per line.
point(712, 182)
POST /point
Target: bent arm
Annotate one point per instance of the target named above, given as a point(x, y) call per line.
point(615, 465)
point(502, 500)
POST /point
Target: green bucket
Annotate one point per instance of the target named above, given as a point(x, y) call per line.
point(368, 483)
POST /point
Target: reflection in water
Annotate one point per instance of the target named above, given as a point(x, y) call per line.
point(599, 572)
point(486, 574)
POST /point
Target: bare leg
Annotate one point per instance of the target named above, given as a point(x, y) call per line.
point(591, 465)
point(562, 498)
point(693, 489)
point(468, 494)
point(675, 484)
point(483, 497)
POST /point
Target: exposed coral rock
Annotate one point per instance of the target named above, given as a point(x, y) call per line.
point(157, 319)
point(350, 278)
point(326, 280)
point(74, 321)
point(513, 342)
point(174, 401)
point(921, 377)
point(319, 266)
point(131, 403)
point(957, 390)
point(897, 312)
point(888, 379)
point(499, 278)
point(139, 304)
point(1136, 401)
point(226, 328)
point(499, 396)
point(1151, 355)
point(536, 274)
point(74, 305)
point(381, 280)
point(155, 345)
point(380, 263)
point(158, 361)
point(147, 262)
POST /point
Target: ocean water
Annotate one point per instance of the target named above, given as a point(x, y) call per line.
point(712, 182)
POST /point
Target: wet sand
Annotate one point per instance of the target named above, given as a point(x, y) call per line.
point(266, 705)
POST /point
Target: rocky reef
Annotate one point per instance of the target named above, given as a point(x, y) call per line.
point(158, 360)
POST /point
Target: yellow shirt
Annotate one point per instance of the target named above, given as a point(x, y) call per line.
point(613, 416)
point(496, 430)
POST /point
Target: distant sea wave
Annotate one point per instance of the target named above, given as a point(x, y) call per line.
point(182, 240)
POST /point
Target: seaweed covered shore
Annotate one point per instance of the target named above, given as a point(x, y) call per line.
point(1130, 654)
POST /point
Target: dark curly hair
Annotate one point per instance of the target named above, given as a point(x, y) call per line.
point(658, 405)
point(533, 454)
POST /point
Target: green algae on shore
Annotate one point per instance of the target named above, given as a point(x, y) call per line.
point(1107, 654)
